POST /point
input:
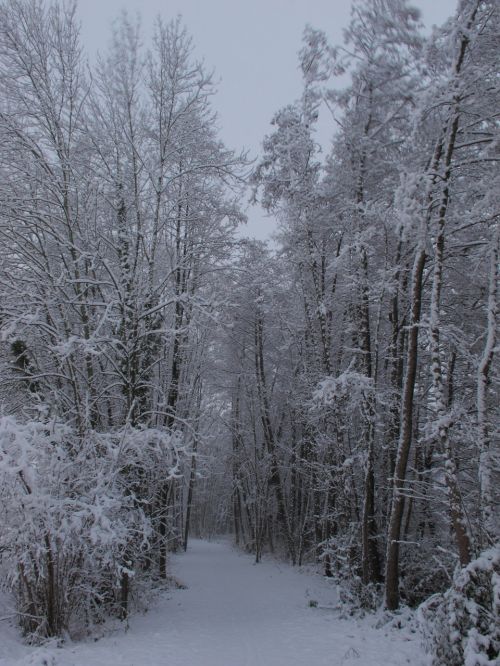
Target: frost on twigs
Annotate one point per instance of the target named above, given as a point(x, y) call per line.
point(462, 626)
point(74, 521)
point(349, 383)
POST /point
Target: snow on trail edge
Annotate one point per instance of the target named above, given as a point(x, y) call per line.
point(233, 613)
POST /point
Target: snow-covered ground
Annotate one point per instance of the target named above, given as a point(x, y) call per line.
point(233, 613)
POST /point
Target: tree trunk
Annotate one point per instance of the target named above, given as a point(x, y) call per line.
point(489, 524)
point(396, 516)
point(274, 473)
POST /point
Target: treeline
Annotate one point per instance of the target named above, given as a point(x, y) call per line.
point(116, 225)
point(364, 392)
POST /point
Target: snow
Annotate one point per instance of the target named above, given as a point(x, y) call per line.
point(233, 613)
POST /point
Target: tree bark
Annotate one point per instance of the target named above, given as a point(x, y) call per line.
point(489, 525)
point(396, 516)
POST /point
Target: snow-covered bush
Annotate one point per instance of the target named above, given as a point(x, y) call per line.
point(418, 580)
point(462, 626)
point(74, 530)
point(343, 556)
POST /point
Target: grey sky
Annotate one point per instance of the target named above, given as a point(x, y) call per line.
point(252, 46)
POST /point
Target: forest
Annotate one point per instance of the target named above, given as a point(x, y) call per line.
point(329, 397)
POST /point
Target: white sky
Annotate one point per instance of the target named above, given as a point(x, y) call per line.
point(252, 45)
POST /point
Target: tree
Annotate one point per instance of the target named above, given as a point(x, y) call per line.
point(117, 217)
point(471, 19)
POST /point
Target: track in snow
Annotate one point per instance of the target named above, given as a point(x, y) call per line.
point(235, 613)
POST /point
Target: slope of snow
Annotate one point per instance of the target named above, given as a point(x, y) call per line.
point(233, 613)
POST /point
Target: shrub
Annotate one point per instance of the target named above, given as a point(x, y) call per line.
point(75, 532)
point(462, 626)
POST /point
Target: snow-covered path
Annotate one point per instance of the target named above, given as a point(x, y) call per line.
point(235, 613)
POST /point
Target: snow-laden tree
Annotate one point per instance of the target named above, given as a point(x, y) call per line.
point(50, 292)
point(340, 231)
point(117, 220)
point(389, 247)
point(465, 108)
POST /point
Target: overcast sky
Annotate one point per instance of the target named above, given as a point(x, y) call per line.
point(252, 45)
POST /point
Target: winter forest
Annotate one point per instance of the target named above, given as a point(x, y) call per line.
point(329, 399)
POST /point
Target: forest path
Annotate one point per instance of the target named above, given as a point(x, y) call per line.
point(236, 613)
